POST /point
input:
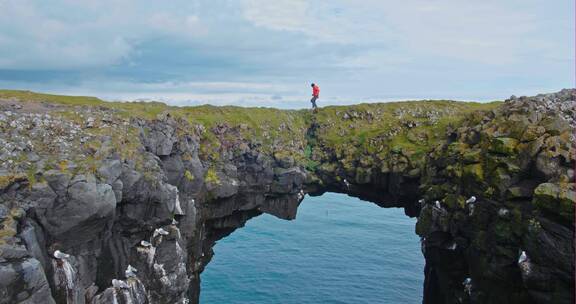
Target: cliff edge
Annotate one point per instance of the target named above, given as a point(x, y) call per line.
point(104, 202)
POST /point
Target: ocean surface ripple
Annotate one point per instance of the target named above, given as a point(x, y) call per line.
point(338, 250)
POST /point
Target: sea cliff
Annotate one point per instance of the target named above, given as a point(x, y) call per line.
point(104, 202)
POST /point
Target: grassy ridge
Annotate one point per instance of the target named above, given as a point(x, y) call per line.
point(349, 130)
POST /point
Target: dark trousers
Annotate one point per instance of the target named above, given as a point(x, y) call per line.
point(313, 101)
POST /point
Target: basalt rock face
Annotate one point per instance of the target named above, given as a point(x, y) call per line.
point(107, 203)
point(74, 238)
point(514, 242)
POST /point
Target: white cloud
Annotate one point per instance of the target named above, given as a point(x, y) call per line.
point(88, 34)
point(356, 50)
point(284, 15)
point(487, 32)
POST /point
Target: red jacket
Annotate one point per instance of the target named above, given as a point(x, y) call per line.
point(316, 91)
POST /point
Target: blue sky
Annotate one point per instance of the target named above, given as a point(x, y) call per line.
point(265, 53)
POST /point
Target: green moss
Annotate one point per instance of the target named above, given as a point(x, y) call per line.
point(454, 201)
point(556, 199)
point(472, 156)
point(503, 145)
point(475, 172)
point(31, 175)
point(424, 223)
point(188, 175)
point(211, 177)
point(308, 151)
point(312, 165)
point(60, 99)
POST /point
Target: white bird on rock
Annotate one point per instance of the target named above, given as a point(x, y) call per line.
point(61, 255)
point(119, 284)
point(160, 231)
point(346, 183)
point(437, 204)
point(471, 200)
point(130, 271)
point(523, 257)
point(145, 244)
point(467, 285)
point(300, 194)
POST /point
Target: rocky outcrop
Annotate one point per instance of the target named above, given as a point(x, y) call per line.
point(513, 242)
point(124, 203)
point(71, 234)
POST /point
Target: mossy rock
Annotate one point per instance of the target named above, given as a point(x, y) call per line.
point(284, 159)
point(474, 172)
point(555, 125)
point(327, 167)
point(211, 177)
point(454, 170)
point(472, 156)
point(500, 179)
point(424, 223)
point(189, 175)
point(557, 199)
point(454, 201)
point(518, 192)
point(436, 192)
point(503, 145)
point(363, 175)
point(532, 133)
point(7, 180)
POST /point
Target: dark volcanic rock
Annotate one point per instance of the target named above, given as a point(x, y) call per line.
point(131, 214)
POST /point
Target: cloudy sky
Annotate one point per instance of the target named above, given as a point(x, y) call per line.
point(265, 53)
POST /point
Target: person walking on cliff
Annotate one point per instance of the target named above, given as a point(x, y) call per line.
point(315, 95)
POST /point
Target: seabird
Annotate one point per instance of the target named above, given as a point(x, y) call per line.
point(346, 183)
point(523, 257)
point(61, 255)
point(471, 209)
point(467, 285)
point(145, 244)
point(130, 271)
point(160, 231)
point(472, 199)
point(119, 284)
point(437, 204)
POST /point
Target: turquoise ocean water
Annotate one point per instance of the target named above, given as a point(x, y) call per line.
point(338, 250)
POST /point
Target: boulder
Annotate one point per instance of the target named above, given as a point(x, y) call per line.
point(81, 214)
point(503, 145)
point(24, 282)
point(110, 170)
point(556, 199)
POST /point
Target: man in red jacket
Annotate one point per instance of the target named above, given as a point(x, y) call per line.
point(315, 95)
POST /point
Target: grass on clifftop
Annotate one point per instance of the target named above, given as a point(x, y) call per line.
point(411, 124)
point(269, 126)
